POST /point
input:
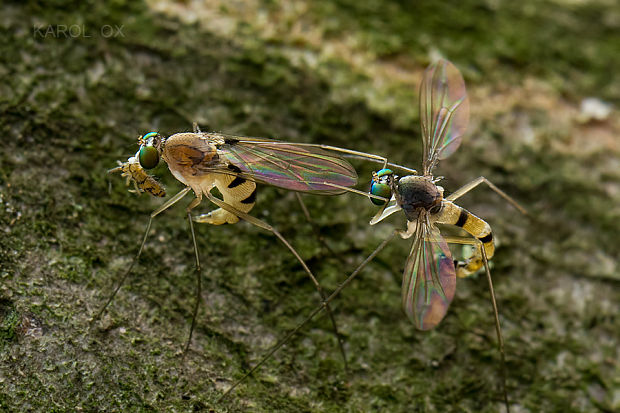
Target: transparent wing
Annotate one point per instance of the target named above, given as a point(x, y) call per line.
point(444, 112)
point(282, 164)
point(429, 279)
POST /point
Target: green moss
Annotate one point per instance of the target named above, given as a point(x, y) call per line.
point(10, 321)
point(545, 38)
point(72, 107)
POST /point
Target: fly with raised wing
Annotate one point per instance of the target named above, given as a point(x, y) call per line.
point(429, 278)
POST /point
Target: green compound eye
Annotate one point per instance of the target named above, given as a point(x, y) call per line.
point(149, 135)
point(384, 172)
point(148, 157)
point(380, 189)
point(380, 186)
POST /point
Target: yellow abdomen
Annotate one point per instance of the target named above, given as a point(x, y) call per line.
point(453, 214)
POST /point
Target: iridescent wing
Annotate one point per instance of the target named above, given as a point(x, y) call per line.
point(444, 112)
point(429, 279)
point(286, 165)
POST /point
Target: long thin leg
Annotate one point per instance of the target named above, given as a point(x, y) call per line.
point(315, 229)
point(383, 213)
point(349, 152)
point(125, 275)
point(159, 210)
point(171, 201)
point(324, 305)
point(264, 225)
point(500, 341)
point(481, 179)
point(198, 282)
point(365, 155)
point(498, 328)
point(356, 191)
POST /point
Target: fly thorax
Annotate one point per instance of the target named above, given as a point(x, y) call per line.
point(189, 154)
point(416, 193)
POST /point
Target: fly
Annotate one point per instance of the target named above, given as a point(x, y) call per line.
point(142, 181)
point(429, 278)
point(234, 165)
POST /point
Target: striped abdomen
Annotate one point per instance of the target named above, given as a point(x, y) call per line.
point(237, 192)
point(455, 215)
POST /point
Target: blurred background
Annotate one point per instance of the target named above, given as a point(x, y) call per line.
point(82, 80)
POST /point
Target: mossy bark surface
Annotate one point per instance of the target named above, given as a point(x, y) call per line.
point(82, 80)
